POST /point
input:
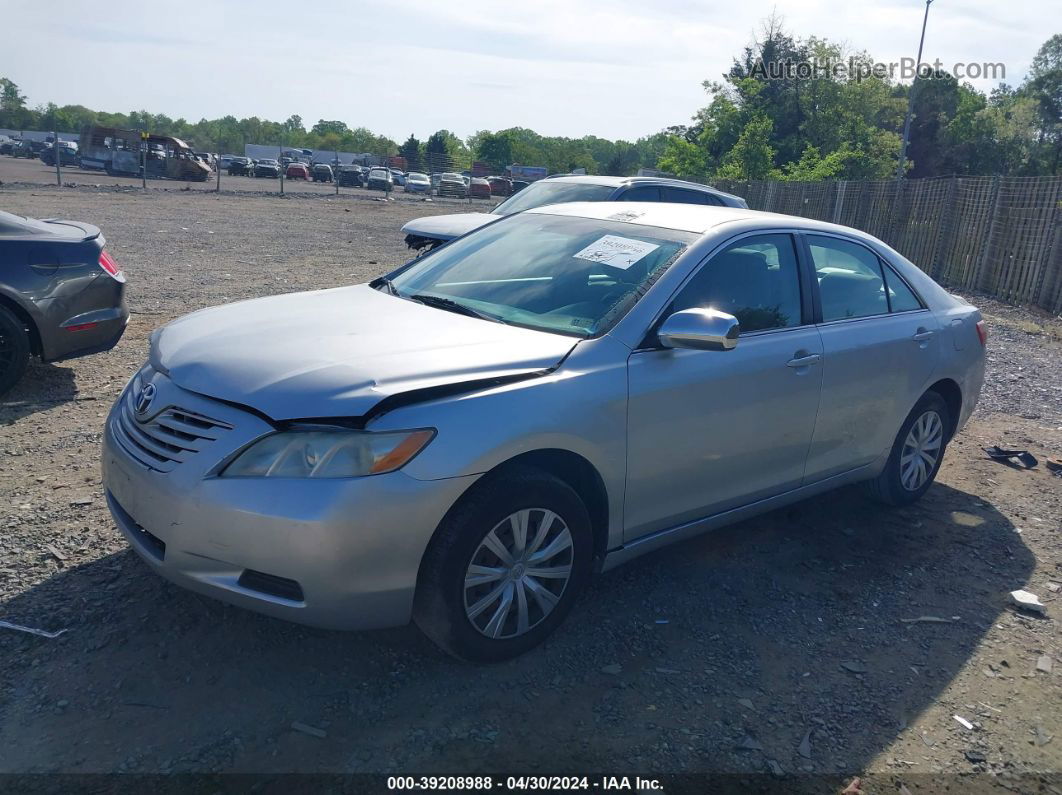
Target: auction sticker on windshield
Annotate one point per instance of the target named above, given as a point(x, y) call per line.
point(619, 252)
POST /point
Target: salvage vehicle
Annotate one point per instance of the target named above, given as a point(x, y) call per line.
point(322, 172)
point(349, 176)
point(297, 171)
point(380, 178)
point(432, 231)
point(452, 185)
point(68, 154)
point(500, 186)
point(62, 295)
point(416, 182)
point(240, 166)
point(120, 151)
point(466, 439)
point(479, 188)
point(24, 148)
point(266, 167)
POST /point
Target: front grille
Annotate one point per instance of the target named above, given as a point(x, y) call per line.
point(270, 584)
point(169, 438)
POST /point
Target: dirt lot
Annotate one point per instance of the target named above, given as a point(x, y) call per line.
point(784, 645)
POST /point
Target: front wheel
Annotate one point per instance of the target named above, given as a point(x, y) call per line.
point(504, 567)
point(916, 455)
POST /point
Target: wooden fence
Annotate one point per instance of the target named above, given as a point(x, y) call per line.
point(998, 236)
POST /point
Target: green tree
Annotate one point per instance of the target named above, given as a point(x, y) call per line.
point(410, 150)
point(752, 157)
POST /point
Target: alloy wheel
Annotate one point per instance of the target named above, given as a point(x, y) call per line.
point(518, 573)
point(921, 451)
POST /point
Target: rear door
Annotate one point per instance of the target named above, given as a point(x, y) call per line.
point(880, 349)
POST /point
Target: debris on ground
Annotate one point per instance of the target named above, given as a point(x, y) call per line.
point(974, 757)
point(926, 620)
point(1044, 663)
point(963, 722)
point(854, 667)
point(1009, 457)
point(749, 743)
point(1054, 465)
point(40, 632)
point(804, 749)
point(1027, 601)
point(614, 669)
point(313, 731)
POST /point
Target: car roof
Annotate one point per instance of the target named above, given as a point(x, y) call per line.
point(600, 179)
point(697, 218)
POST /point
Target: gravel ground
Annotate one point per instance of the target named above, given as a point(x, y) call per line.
point(783, 645)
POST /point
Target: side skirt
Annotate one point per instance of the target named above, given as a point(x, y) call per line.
point(661, 538)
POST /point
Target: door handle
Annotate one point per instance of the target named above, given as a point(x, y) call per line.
point(804, 361)
point(922, 335)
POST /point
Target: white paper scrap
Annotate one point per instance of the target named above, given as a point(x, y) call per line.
point(618, 252)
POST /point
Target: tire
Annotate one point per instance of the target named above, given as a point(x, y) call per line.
point(899, 485)
point(14, 350)
point(443, 599)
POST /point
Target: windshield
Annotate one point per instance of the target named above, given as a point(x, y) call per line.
point(379, 173)
point(554, 273)
point(550, 192)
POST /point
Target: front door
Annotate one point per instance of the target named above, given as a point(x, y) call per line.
point(712, 430)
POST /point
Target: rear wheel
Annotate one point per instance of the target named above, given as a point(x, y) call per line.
point(916, 453)
point(504, 567)
point(14, 350)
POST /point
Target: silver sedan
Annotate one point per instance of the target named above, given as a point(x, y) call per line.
point(465, 441)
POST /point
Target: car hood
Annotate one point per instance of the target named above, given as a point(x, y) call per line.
point(338, 353)
point(447, 227)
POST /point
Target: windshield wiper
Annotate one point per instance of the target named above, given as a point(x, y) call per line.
point(451, 306)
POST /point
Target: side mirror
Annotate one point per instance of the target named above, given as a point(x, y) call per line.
point(700, 329)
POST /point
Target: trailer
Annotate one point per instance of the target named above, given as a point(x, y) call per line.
point(131, 153)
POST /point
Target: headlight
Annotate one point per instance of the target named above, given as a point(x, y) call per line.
point(328, 454)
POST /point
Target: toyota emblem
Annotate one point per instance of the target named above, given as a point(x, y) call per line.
point(143, 400)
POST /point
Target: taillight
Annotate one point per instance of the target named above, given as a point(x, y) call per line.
point(982, 333)
point(111, 267)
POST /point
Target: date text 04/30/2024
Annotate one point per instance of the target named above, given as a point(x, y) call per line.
point(523, 783)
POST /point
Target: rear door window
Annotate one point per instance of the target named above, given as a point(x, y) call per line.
point(851, 284)
point(686, 196)
point(643, 193)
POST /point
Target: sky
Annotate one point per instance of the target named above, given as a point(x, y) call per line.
point(615, 68)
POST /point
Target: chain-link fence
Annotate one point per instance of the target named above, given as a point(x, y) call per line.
point(998, 236)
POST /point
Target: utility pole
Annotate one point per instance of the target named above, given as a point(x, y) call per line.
point(910, 99)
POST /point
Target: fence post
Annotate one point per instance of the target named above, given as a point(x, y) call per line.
point(838, 201)
point(55, 153)
point(990, 234)
point(768, 200)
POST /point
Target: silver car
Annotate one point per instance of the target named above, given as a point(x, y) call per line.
point(465, 441)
